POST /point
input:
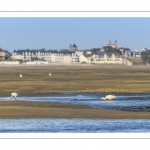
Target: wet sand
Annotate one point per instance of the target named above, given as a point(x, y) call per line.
point(27, 109)
point(70, 78)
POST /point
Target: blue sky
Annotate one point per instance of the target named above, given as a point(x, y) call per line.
point(56, 33)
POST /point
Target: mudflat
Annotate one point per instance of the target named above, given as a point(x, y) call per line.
point(70, 78)
point(74, 78)
point(28, 109)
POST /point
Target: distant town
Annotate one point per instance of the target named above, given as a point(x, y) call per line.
point(109, 54)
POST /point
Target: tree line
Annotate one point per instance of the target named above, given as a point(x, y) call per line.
point(146, 56)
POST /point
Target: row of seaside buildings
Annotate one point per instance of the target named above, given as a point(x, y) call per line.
point(73, 55)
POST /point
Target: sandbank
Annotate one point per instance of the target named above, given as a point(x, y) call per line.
point(29, 109)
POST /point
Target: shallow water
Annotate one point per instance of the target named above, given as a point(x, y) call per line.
point(127, 102)
point(54, 125)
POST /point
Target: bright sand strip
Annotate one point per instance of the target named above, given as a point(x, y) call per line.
point(43, 109)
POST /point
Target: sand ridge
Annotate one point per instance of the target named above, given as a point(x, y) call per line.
point(30, 109)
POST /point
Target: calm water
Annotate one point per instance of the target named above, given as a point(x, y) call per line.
point(54, 125)
point(130, 102)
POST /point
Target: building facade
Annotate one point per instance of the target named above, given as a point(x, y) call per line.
point(104, 58)
point(136, 53)
point(125, 52)
point(73, 47)
point(113, 45)
point(2, 54)
point(50, 56)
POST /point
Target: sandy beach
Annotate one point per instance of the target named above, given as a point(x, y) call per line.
point(70, 78)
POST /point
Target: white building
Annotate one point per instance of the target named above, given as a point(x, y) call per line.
point(50, 56)
point(103, 58)
point(83, 59)
point(29, 55)
point(136, 53)
point(17, 57)
point(125, 52)
point(107, 58)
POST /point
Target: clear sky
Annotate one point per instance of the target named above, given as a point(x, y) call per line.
point(57, 33)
